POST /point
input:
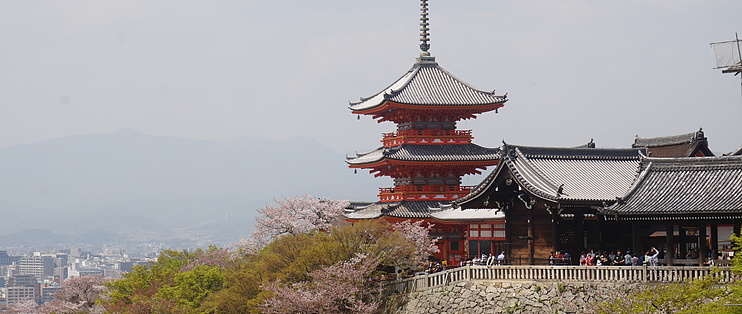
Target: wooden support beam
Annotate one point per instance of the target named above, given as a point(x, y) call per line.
point(683, 242)
point(714, 248)
point(702, 247)
point(636, 238)
point(580, 233)
point(555, 230)
point(531, 238)
point(670, 244)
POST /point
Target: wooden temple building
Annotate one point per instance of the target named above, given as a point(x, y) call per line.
point(684, 201)
point(667, 192)
point(577, 199)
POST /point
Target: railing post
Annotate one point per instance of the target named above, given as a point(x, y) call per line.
point(644, 272)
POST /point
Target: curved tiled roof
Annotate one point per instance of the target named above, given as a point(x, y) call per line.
point(684, 145)
point(430, 153)
point(668, 140)
point(682, 186)
point(428, 84)
point(402, 209)
point(582, 174)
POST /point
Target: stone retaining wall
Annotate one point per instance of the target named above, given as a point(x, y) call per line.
point(512, 297)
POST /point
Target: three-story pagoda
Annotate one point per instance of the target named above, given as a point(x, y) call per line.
point(427, 155)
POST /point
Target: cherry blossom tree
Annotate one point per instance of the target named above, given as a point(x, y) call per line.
point(418, 232)
point(78, 295)
point(339, 288)
point(83, 290)
point(26, 306)
point(214, 256)
point(294, 215)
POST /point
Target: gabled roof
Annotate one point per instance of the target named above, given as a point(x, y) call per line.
point(683, 145)
point(401, 209)
point(573, 174)
point(427, 153)
point(427, 84)
point(735, 152)
point(684, 186)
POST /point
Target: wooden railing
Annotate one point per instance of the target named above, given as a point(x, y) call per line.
point(427, 136)
point(438, 192)
point(629, 274)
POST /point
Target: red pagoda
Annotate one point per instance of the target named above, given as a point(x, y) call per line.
point(428, 155)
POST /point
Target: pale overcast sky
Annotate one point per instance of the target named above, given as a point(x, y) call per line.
point(573, 70)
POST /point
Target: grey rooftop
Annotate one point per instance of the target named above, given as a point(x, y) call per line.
point(688, 138)
point(685, 186)
point(428, 153)
point(560, 173)
point(401, 209)
point(427, 84)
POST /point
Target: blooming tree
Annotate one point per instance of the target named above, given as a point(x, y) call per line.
point(418, 232)
point(339, 288)
point(293, 215)
point(78, 295)
point(83, 290)
point(26, 306)
point(214, 256)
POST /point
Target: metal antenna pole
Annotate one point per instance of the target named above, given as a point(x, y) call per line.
point(739, 53)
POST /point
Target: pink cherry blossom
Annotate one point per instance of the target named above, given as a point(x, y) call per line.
point(294, 215)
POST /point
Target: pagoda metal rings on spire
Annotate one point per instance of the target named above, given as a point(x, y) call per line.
point(424, 46)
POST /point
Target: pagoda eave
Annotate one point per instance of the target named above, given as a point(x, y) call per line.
point(386, 106)
point(432, 163)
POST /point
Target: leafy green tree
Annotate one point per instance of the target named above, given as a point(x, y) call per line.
point(178, 282)
point(292, 261)
point(191, 287)
point(300, 239)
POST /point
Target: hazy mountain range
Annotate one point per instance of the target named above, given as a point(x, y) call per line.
point(131, 187)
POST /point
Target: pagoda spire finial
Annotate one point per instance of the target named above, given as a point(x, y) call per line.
point(424, 46)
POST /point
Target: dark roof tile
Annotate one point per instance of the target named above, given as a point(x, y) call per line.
point(697, 185)
point(402, 209)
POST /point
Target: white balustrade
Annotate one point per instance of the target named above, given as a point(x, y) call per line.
point(628, 274)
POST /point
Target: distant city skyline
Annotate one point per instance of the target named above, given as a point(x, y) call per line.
point(573, 70)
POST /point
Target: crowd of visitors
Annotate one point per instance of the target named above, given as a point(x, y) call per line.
point(560, 258)
point(489, 260)
point(618, 258)
point(587, 258)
